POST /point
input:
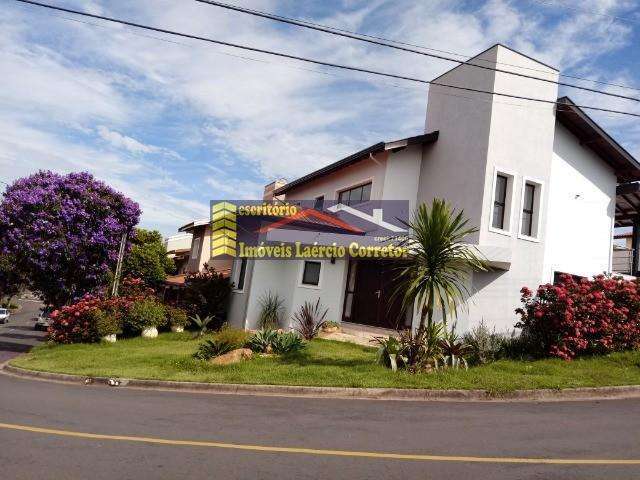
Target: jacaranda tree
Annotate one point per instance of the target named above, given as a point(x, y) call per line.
point(63, 232)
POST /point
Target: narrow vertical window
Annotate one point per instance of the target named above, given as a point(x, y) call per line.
point(500, 202)
point(319, 203)
point(241, 274)
point(527, 209)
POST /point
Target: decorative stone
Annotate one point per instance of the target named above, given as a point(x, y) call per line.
point(234, 356)
point(150, 332)
point(177, 328)
point(109, 338)
point(331, 329)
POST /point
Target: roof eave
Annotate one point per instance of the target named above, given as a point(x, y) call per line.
point(626, 167)
point(362, 154)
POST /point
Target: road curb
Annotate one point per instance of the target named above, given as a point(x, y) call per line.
point(541, 395)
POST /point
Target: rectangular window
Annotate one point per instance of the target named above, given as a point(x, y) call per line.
point(355, 195)
point(311, 273)
point(319, 203)
point(500, 202)
point(527, 209)
point(240, 273)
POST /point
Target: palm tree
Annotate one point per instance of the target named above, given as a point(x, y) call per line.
point(435, 277)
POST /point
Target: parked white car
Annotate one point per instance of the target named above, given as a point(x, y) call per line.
point(4, 315)
point(42, 322)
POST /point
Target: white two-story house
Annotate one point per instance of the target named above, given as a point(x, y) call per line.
point(537, 179)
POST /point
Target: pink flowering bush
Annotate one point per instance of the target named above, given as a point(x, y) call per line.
point(577, 317)
point(84, 321)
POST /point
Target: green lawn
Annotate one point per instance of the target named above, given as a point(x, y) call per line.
point(323, 363)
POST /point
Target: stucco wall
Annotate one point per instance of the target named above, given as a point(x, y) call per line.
point(366, 170)
point(283, 278)
point(582, 206)
point(520, 142)
point(454, 168)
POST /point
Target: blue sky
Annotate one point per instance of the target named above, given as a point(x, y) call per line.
point(174, 123)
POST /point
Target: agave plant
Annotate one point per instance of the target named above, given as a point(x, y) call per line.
point(201, 325)
point(289, 342)
point(454, 350)
point(390, 352)
point(262, 341)
point(310, 319)
point(213, 348)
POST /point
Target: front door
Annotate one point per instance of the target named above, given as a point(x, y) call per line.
point(369, 299)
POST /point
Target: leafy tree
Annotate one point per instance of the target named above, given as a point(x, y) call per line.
point(63, 232)
point(11, 282)
point(435, 277)
point(147, 258)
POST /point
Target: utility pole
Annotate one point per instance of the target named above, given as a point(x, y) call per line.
point(116, 278)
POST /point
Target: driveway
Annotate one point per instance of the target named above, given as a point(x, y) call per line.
point(18, 336)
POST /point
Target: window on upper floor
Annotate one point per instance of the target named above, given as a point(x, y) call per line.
point(355, 195)
point(530, 211)
point(501, 202)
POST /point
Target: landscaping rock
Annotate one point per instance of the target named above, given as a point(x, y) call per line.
point(234, 356)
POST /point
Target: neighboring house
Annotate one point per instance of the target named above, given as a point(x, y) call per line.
point(179, 248)
point(200, 249)
point(622, 260)
point(538, 180)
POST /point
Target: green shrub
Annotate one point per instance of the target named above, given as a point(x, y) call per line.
point(213, 348)
point(285, 343)
point(234, 336)
point(176, 317)
point(271, 310)
point(262, 341)
point(106, 323)
point(143, 314)
point(485, 346)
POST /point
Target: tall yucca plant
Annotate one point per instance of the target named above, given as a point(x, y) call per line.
point(439, 263)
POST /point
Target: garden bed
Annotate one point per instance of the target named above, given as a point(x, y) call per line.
point(322, 363)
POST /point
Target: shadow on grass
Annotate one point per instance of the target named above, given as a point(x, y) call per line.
point(305, 359)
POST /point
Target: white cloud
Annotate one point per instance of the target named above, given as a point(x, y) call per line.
point(272, 117)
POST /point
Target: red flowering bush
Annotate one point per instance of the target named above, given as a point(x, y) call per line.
point(83, 321)
point(581, 317)
point(93, 316)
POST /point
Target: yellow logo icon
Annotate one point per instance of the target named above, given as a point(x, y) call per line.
point(223, 229)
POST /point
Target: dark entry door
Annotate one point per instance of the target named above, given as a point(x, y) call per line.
point(372, 297)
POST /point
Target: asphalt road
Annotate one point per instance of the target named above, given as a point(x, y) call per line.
point(576, 430)
point(18, 336)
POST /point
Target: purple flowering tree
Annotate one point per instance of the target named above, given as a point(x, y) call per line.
point(64, 232)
